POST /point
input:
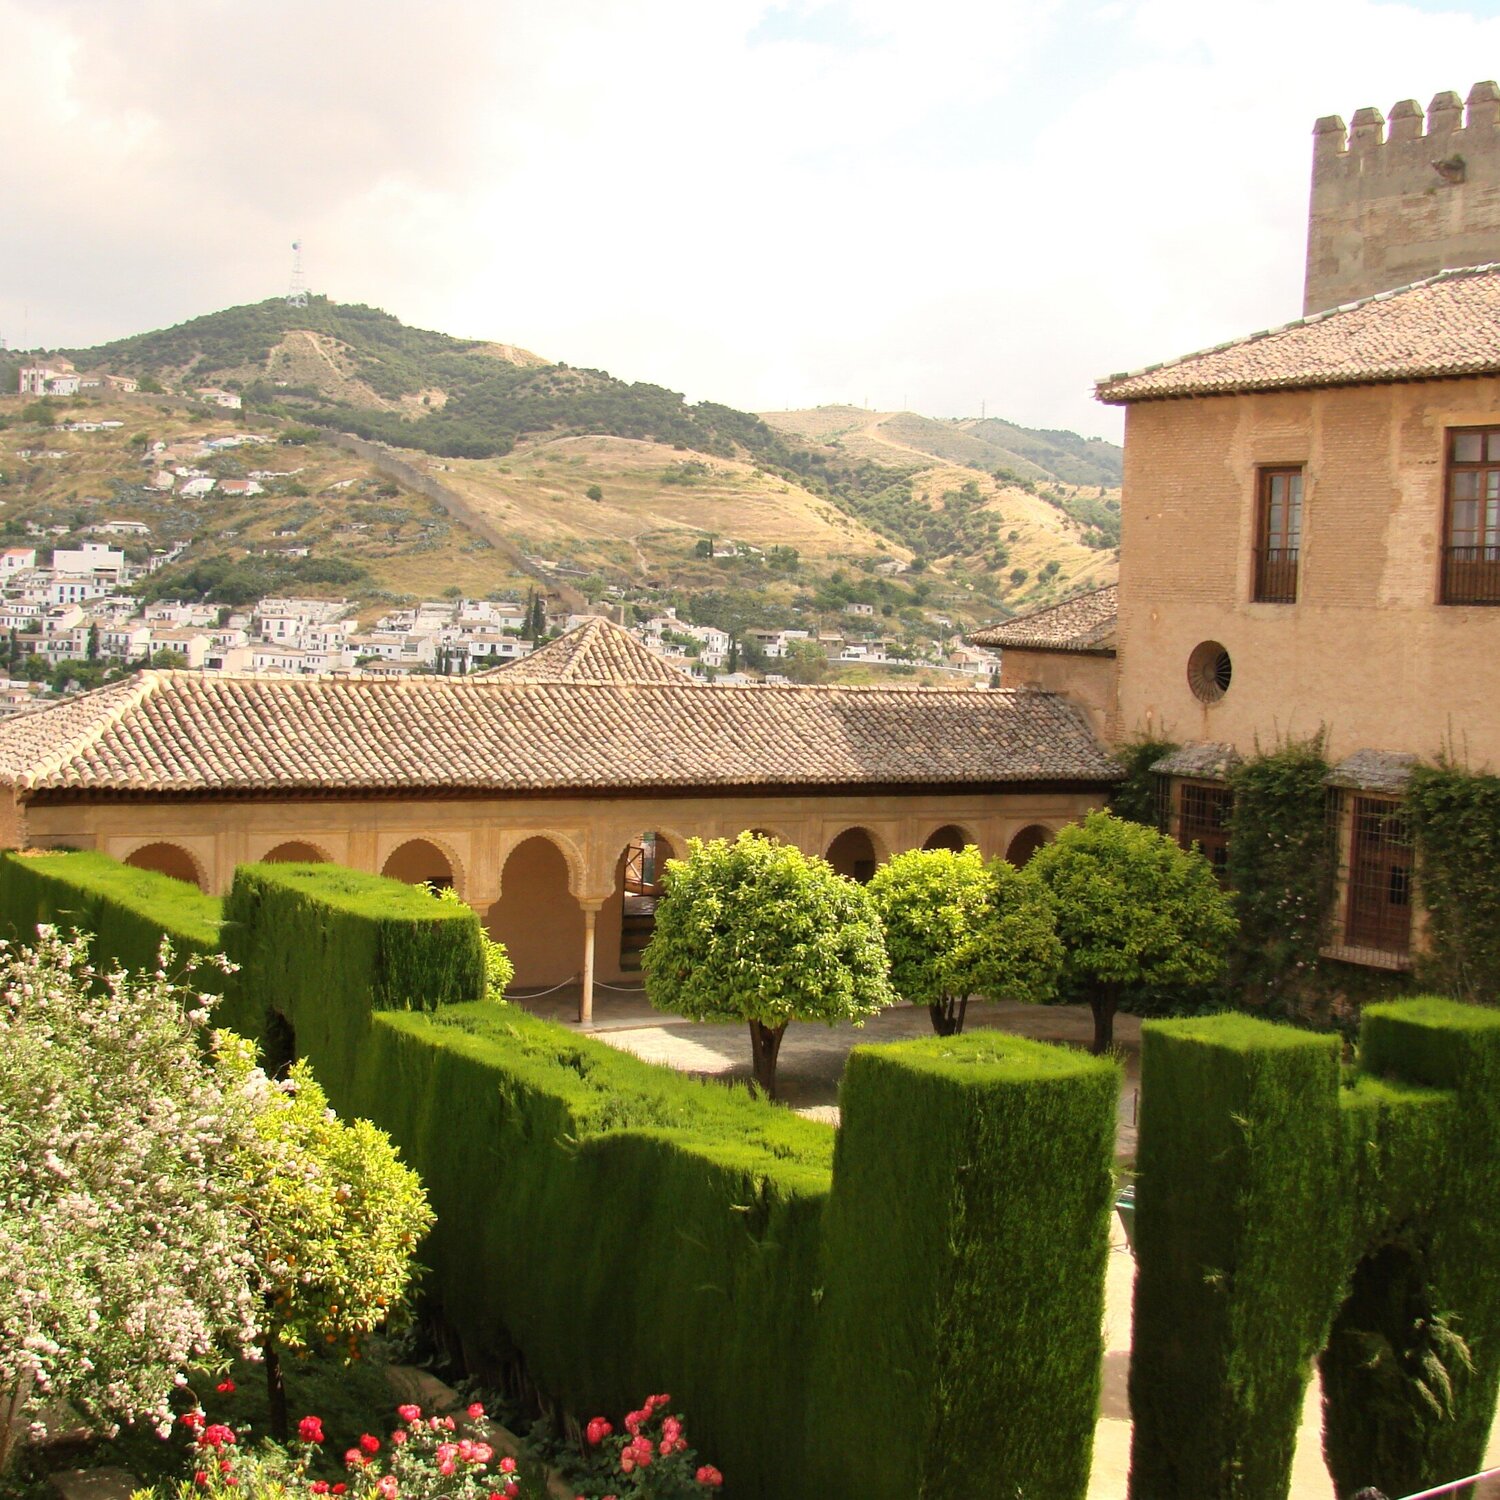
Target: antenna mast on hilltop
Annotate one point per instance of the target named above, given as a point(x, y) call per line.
point(296, 292)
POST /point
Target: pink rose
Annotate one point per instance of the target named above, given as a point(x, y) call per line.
point(398, 1437)
point(476, 1411)
point(710, 1476)
point(409, 1413)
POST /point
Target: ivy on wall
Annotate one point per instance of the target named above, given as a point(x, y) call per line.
point(1455, 817)
point(1282, 863)
point(1136, 797)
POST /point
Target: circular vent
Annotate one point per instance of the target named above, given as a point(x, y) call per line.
point(1209, 672)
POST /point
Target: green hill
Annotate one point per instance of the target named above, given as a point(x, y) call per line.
point(360, 370)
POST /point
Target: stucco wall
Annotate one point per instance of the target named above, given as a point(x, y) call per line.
point(1366, 650)
point(1087, 680)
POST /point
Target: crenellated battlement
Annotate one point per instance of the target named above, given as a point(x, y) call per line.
point(1399, 197)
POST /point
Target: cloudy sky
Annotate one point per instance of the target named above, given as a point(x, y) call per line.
point(928, 203)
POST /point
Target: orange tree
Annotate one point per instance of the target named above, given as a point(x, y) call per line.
point(1135, 913)
point(754, 929)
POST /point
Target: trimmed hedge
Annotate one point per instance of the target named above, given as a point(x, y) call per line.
point(129, 911)
point(324, 946)
point(1285, 1212)
point(963, 1271)
point(630, 1229)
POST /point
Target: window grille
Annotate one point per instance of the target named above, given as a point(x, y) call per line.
point(1203, 818)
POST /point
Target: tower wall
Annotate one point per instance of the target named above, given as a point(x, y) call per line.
point(1396, 200)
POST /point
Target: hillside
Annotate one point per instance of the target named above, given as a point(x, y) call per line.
point(495, 469)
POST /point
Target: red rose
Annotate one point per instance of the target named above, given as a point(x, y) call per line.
point(369, 1442)
point(476, 1411)
point(310, 1429)
point(338, 1489)
point(710, 1476)
point(507, 1465)
point(320, 1486)
point(225, 1388)
point(597, 1430)
point(200, 1478)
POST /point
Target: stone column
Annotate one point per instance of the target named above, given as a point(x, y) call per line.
point(586, 997)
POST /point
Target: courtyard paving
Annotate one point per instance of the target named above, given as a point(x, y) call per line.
point(812, 1060)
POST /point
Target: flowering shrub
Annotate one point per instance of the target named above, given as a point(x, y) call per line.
point(423, 1458)
point(122, 1244)
point(650, 1459)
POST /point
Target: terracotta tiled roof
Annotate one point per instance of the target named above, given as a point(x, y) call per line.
point(181, 732)
point(1084, 623)
point(1447, 325)
point(598, 650)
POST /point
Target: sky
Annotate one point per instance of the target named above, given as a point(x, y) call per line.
point(940, 205)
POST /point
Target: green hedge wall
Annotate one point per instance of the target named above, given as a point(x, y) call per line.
point(629, 1229)
point(963, 1271)
point(128, 910)
point(324, 946)
point(1286, 1211)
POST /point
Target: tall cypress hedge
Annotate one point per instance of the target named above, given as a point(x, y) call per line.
point(322, 947)
point(963, 1271)
point(1284, 1212)
point(129, 911)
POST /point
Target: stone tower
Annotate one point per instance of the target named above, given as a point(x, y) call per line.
point(1392, 203)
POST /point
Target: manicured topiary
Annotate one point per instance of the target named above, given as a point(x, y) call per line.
point(129, 911)
point(756, 930)
point(956, 927)
point(959, 1344)
point(1284, 1212)
point(1135, 913)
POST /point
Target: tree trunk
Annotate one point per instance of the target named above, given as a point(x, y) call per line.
point(275, 1388)
point(1104, 1001)
point(948, 1014)
point(765, 1045)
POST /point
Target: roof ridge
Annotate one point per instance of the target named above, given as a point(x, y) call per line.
point(1307, 320)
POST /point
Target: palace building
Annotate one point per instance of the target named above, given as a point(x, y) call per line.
point(547, 793)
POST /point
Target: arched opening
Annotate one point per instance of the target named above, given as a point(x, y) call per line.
point(166, 859)
point(279, 1046)
point(1027, 842)
point(537, 917)
point(294, 851)
point(852, 853)
point(418, 862)
point(949, 836)
point(638, 886)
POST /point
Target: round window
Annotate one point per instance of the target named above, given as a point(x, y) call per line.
point(1209, 671)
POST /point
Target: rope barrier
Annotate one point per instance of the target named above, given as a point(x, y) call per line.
point(537, 994)
point(634, 989)
point(1452, 1487)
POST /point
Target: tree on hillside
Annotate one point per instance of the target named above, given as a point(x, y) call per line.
point(1135, 912)
point(805, 661)
point(756, 930)
point(955, 927)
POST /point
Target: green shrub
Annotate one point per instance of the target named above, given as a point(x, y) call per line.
point(956, 927)
point(963, 1272)
point(1456, 825)
point(753, 929)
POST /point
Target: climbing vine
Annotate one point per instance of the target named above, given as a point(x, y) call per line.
point(1136, 796)
point(1455, 818)
point(1282, 863)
